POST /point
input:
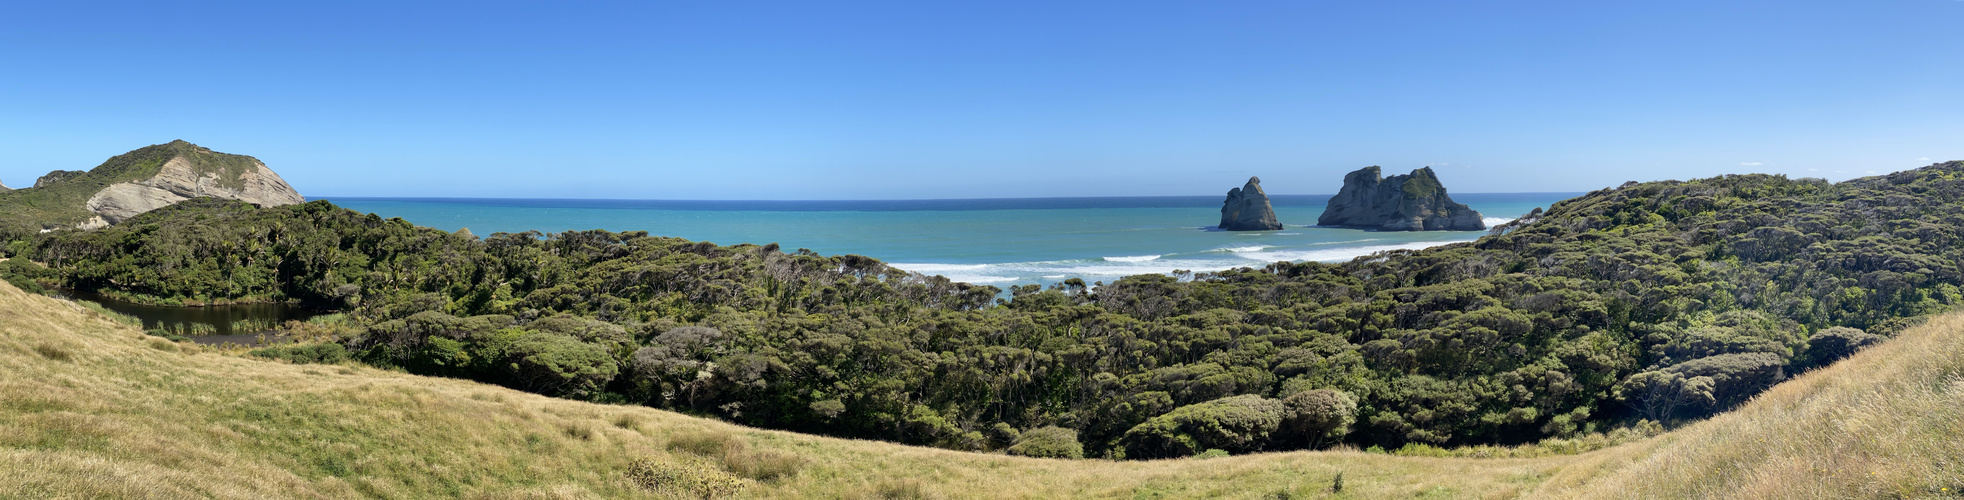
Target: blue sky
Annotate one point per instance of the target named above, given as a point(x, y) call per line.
point(880, 100)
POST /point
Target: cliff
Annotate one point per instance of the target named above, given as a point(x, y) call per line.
point(1411, 202)
point(1247, 209)
point(194, 174)
point(142, 180)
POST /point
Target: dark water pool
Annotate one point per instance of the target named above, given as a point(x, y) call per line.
point(238, 321)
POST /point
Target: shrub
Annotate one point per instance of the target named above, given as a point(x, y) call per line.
point(1735, 377)
point(1048, 442)
point(1658, 394)
point(1319, 416)
point(1832, 344)
point(1235, 423)
point(559, 365)
point(686, 479)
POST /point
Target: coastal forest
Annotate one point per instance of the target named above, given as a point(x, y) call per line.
point(1659, 302)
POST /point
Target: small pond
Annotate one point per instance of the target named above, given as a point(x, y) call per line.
point(237, 323)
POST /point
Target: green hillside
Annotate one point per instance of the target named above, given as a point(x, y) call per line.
point(1664, 301)
point(90, 408)
point(26, 211)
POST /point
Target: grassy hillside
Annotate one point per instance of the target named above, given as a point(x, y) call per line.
point(25, 210)
point(93, 408)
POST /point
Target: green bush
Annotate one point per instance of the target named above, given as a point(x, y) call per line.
point(1235, 423)
point(1048, 442)
point(1319, 416)
point(559, 365)
point(1831, 344)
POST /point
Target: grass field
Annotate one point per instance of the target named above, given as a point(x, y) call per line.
point(90, 408)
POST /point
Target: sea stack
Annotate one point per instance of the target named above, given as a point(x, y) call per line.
point(1411, 202)
point(1247, 209)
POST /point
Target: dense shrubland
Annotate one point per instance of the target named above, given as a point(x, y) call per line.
point(1659, 301)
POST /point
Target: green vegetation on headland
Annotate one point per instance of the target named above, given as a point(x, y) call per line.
point(24, 212)
point(1663, 300)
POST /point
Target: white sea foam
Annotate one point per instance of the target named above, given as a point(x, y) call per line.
point(1108, 269)
point(1338, 254)
point(939, 268)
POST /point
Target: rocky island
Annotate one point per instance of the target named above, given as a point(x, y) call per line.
point(1247, 209)
point(1410, 202)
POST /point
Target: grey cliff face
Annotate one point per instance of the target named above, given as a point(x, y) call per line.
point(1411, 202)
point(178, 181)
point(1247, 209)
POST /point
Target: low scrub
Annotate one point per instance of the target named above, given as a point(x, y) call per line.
point(682, 478)
point(737, 457)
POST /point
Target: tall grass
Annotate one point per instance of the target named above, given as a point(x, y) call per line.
point(92, 408)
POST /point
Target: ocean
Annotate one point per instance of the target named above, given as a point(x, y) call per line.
point(1000, 242)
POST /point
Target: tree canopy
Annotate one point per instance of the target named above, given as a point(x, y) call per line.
point(1660, 300)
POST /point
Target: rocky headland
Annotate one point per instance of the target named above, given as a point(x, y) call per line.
point(1247, 209)
point(1410, 202)
point(146, 179)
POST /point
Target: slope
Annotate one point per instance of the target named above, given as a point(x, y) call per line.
point(92, 408)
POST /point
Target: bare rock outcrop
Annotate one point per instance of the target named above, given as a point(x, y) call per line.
point(1411, 202)
point(1247, 209)
point(181, 178)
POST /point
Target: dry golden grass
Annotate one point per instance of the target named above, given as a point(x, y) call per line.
point(92, 408)
point(1886, 423)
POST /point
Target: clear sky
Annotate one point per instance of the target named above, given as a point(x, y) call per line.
point(931, 99)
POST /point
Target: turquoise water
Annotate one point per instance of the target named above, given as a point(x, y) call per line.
point(996, 241)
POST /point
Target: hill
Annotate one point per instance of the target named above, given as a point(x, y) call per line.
point(1659, 301)
point(70, 198)
point(93, 408)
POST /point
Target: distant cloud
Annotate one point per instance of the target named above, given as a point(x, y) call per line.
point(1751, 163)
